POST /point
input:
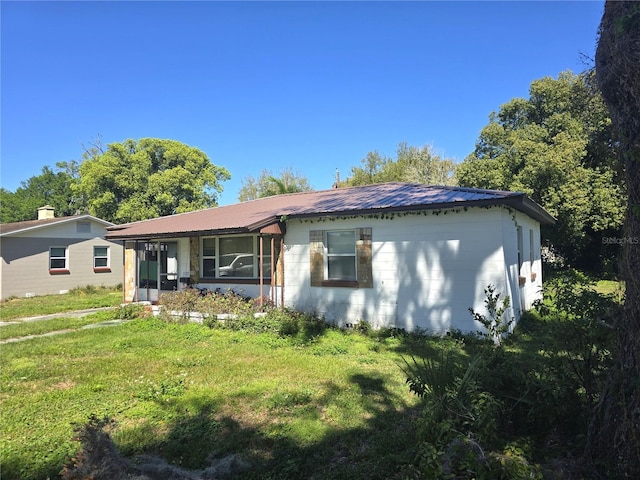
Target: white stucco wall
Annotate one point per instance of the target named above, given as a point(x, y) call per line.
point(427, 269)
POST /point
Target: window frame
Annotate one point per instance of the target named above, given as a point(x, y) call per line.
point(213, 257)
point(107, 256)
point(255, 254)
point(364, 259)
point(532, 256)
point(520, 247)
point(57, 270)
point(328, 256)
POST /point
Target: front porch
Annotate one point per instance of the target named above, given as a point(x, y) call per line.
point(247, 264)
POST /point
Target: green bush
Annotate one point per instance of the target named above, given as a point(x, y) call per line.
point(494, 323)
point(580, 319)
point(177, 306)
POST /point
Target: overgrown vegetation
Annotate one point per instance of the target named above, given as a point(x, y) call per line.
point(285, 395)
point(519, 408)
point(495, 325)
point(180, 306)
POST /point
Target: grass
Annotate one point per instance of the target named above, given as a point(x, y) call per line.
point(23, 329)
point(610, 287)
point(187, 393)
point(297, 401)
point(77, 299)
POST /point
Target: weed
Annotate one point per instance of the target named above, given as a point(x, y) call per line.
point(494, 323)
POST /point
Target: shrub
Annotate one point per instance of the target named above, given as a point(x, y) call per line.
point(178, 306)
point(130, 311)
point(577, 316)
point(494, 324)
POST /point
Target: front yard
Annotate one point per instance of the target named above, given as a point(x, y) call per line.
point(333, 405)
point(285, 396)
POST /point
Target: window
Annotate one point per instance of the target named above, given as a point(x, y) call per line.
point(341, 258)
point(208, 257)
point(235, 257)
point(83, 227)
point(520, 255)
point(341, 255)
point(101, 258)
point(531, 255)
point(58, 258)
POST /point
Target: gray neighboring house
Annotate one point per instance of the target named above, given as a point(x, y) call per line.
point(52, 255)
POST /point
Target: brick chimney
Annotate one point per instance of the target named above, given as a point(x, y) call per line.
point(45, 212)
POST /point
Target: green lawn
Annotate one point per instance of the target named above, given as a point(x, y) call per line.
point(77, 299)
point(23, 329)
point(186, 392)
point(289, 395)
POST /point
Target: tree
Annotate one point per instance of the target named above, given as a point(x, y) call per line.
point(147, 178)
point(412, 164)
point(556, 147)
point(49, 188)
point(267, 184)
point(614, 434)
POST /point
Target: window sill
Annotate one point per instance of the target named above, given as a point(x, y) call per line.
point(340, 283)
point(59, 271)
point(237, 280)
point(102, 270)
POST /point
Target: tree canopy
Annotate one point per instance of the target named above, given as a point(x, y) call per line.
point(412, 164)
point(267, 184)
point(556, 146)
point(147, 178)
point(49, 188)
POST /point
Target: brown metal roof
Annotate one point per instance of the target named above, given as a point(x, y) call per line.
point(254, 215)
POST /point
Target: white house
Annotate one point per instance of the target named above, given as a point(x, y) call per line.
point(56, 254)
point(395, 254)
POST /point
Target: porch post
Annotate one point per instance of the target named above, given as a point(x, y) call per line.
point(261, 269)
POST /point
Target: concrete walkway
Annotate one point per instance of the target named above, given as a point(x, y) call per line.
point(73, 314)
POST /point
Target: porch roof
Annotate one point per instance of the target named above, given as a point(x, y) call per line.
point(263, 214)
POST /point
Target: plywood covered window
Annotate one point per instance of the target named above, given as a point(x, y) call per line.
point(341, 258)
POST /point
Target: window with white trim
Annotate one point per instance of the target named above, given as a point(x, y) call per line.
point(100, 257)
point(235, 257)
point(208, 257)
point(340, 255)
point(520, 247)
point(341, 258)
point(58, 258)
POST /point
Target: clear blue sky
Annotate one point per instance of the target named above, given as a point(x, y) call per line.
point(306, 85)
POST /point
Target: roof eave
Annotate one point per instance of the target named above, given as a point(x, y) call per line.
point(60, 222)
point(436, 206)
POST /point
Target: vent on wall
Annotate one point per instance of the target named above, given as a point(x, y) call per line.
point(83, 227)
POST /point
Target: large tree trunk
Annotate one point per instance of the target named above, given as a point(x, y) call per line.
point(614, 434)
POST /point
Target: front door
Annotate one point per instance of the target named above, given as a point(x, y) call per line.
point(157, 269)
point(169, 266)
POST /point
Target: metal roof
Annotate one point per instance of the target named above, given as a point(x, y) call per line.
point(254, 215)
